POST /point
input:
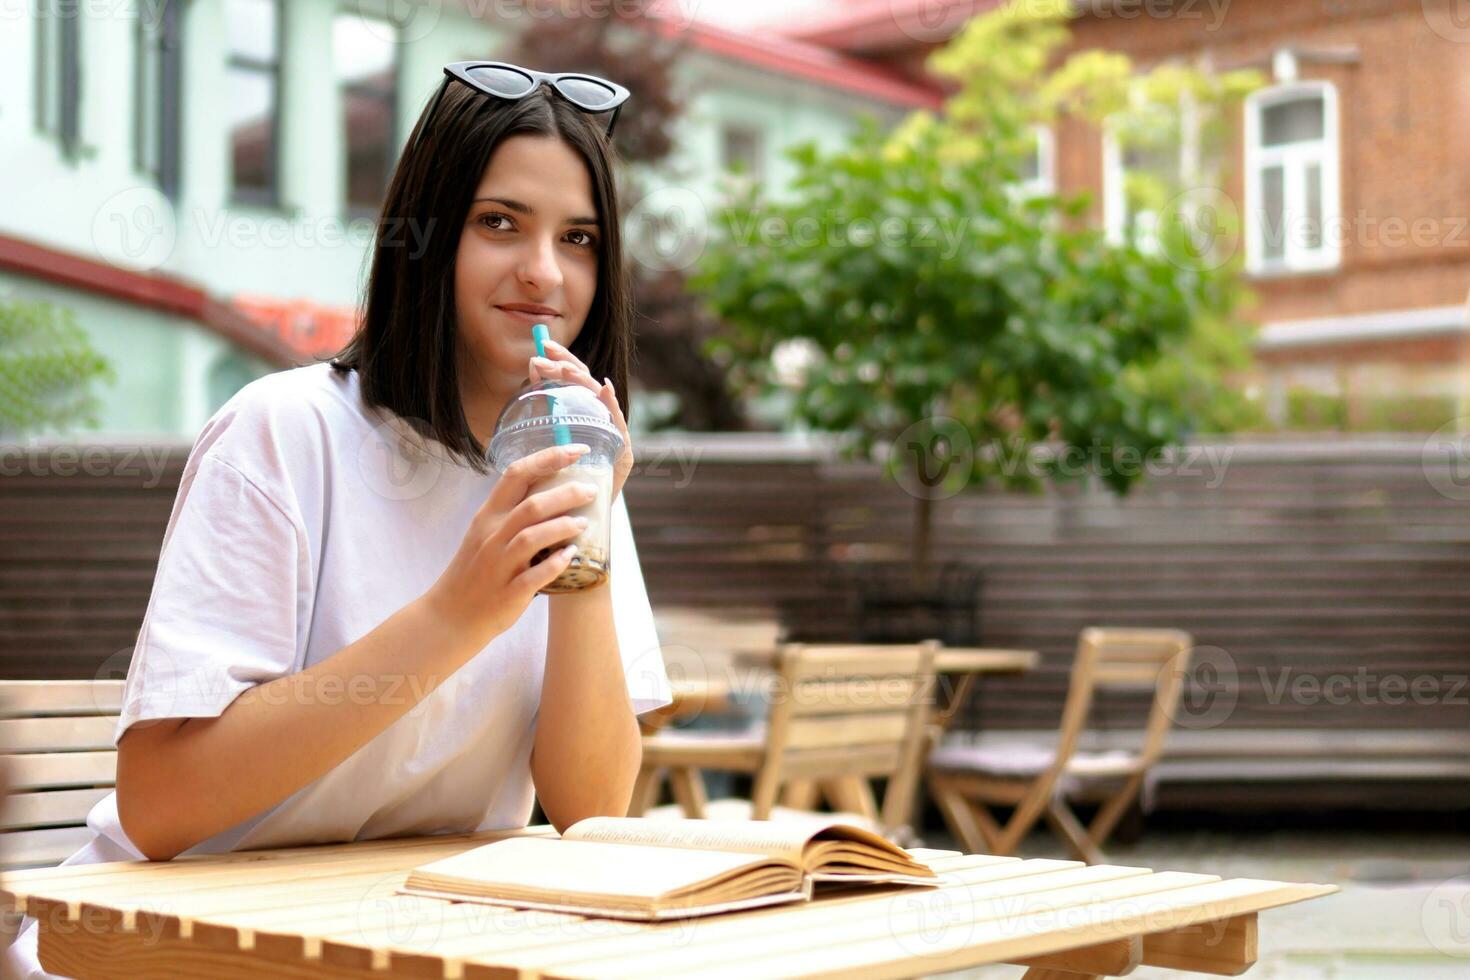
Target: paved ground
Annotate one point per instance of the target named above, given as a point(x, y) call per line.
point(1403, 912)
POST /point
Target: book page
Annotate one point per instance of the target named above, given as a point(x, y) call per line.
point(769, 837)
point(533, 865)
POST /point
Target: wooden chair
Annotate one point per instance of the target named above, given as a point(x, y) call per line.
point(965, 779)
point(840, 714)
point(59, 760)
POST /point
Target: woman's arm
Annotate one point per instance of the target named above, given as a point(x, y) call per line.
point(183, 780)
point(587, 749)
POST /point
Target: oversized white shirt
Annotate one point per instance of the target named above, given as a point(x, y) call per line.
point(303, 520)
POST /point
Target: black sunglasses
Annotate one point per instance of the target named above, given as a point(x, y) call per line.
point(501, 80)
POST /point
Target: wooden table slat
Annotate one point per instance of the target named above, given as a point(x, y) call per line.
point(332, 911)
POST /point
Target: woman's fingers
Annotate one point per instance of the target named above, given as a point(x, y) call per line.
point(544, 572)
point(543, 368)
point(516, 482)
point(530, 541)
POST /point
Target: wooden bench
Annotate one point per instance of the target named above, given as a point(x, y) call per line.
point(1287, 767)
point(59, 760)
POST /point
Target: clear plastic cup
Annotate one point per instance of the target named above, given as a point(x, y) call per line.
point(552, 414)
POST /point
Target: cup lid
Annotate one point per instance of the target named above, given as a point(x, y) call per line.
point(566, 413)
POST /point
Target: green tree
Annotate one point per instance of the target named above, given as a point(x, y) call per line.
point(956, 328)
point(47, 367)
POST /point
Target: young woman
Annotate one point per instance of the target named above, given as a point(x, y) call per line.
point(344, 639)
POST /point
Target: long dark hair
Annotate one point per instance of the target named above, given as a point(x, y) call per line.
point(404, 348)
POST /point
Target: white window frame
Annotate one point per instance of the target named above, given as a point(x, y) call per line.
point(1045, 181)
point(1293, 160)
point(1115, 203)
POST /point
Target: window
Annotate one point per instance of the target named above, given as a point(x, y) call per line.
point(157, 74)
point(1038, 168)
point(1137, 184)
point(365, 53)
point(253, 96)
point(58, 72)
point(1291, 178)
point(742, 150)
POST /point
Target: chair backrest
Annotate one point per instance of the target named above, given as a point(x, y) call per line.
point(59, 761)
point(847, 710)
point(1111, 658)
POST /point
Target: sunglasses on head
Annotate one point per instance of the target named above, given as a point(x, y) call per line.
point(501, 80)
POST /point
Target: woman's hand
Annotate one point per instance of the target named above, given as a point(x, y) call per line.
point(560, 364)
point(490, 581)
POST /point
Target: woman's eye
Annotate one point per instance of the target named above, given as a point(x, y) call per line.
point(588, 241)
point(485, 220)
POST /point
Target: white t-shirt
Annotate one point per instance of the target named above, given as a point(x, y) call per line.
point(303, 520)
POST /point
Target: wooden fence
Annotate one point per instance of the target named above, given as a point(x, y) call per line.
point(1327, 583)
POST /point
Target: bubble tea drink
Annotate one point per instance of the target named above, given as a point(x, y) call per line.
point(557, 414)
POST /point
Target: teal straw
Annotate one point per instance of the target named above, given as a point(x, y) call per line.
point(560, 433)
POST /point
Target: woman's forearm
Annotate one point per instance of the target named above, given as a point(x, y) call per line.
point(183, 781)
point(587, 748)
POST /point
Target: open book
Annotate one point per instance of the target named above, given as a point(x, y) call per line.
point(636, 868)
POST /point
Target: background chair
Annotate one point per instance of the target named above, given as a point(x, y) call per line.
point(57, 737)
point(840, 715)
point(965, 779)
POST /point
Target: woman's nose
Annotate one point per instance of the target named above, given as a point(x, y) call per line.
point(540, 268)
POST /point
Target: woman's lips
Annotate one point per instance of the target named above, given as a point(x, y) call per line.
point(528, 317)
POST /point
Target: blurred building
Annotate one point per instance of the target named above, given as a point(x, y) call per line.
point(198, 181)
point(1349, 173)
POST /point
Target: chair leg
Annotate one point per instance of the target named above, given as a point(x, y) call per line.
point(1023, 818)
point(1041, 973)
point(988, 827)
point(957, 815)
point(853, 794)
point(1113, 810)
point(763, 794)
point(645, 791)
point(800, 794)
point(688, 785)
point(1070, 829)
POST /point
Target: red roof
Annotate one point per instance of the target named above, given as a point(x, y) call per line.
point(799, 59)
point(883, 25)
point(151, 290)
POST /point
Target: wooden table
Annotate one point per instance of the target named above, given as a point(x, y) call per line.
point(331, 911)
